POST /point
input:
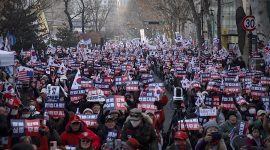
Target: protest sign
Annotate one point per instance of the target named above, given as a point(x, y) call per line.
point(89, 120)
point(147, 103)
point(132, 86)
point(189, 124)
point(232, 88)
point(87, 84)
point(17, 126)
point(258, 90)
point(115, 102)
point(55, 109)
point(266, 101)
point(227, 102)
point(207, 112)
point(32, 127)
point(53, 92)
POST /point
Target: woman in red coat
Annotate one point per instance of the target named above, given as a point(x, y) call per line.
point(74, 129)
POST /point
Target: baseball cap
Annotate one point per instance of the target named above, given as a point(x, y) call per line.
point(180, 135)
point(74, 118)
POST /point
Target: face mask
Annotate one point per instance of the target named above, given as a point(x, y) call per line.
point(252, 111)
point(14, 112)
point(135, 123)
point(86, 145)
point(183, 109)
point(32, 108)
point(25, 115)
point(243, 109)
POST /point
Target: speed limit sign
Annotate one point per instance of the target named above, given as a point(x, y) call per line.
point(248, 23)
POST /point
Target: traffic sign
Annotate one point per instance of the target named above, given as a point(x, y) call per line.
point(248, 23)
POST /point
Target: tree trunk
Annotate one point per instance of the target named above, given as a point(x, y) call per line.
point(183, 27)
point(219, 23)
point(209, 29)
point(68, 15)
point(83, 17)
point(197, 20)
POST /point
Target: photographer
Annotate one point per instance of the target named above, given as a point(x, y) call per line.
point(211, 139)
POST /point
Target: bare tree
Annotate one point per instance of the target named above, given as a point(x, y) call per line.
point(219, 23)
point(197, 20)
point(98, 13)
point(70, 14)
point(175, 13)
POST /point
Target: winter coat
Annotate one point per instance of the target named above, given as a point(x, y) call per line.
point(68, 137)
point(226, 128)
point(108, 135)
point(250, 141)
point(145, 133)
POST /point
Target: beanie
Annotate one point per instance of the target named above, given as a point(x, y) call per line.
point(210, 124)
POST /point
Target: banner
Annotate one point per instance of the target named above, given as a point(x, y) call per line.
point(89, 120)
point(227, 102)
point(189, 124)
point(115, 102)
point(207, 112)
point(25, 127)
point(132, 86)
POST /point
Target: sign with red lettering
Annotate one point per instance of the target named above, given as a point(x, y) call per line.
point(55, 109)
point(232, 88)
point(258, 90)
point(132, 86)
point(227, 103)
point(189, 124)
point(89, 120)
point(116, 102)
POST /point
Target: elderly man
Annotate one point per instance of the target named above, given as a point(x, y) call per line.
point(139, 127)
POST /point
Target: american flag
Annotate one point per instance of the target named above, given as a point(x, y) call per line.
point(25, 75)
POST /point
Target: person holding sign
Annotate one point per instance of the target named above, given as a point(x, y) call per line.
point(212, 139)
point(74, 129)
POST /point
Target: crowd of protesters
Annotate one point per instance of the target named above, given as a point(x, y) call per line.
point(107, 98)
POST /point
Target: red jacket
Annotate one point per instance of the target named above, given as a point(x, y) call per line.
point(70, 138)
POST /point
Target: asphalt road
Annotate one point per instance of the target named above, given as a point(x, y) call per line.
point(168, 108)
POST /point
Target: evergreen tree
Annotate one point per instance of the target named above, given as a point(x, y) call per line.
point(20, 18)
point(65, 38)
